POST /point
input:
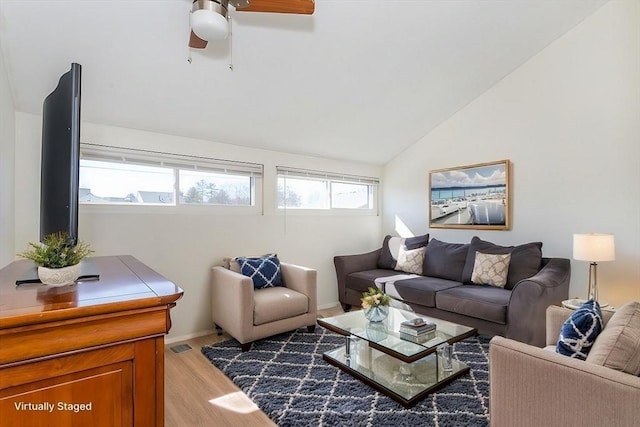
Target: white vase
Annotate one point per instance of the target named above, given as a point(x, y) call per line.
point(59, 276)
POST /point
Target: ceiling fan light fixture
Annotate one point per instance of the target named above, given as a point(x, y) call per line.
point(209, 19)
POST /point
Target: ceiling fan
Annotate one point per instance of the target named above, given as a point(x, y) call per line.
point(209, 17)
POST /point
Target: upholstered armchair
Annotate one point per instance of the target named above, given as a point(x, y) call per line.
point(532, 386)
point(249, 314)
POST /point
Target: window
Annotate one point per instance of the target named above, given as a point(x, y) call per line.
point(302, 193)
point(306, 189)
point(201, 188)
point(109, 182)
point(351, 196)
point(110, 175)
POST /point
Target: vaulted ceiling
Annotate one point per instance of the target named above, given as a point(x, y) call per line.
point(358, 80)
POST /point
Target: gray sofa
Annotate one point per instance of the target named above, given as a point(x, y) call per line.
point(443, 288)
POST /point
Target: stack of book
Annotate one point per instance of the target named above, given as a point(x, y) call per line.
point(417, 330)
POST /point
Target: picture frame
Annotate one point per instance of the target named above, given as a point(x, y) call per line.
point(474, 197)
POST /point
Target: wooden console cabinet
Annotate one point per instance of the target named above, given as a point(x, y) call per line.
point(88, 354)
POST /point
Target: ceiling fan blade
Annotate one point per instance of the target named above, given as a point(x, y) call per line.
point(302, 7)
point(196, 42)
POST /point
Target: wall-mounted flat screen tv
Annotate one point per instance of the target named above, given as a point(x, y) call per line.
point(60, 157)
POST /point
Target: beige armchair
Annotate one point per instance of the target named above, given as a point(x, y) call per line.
point(532, 386)
point(249, 314)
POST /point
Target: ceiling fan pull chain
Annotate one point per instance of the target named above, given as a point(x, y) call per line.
point(230, 44)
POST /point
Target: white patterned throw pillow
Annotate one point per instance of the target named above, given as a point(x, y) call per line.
point(410, 260)
point(491, 269)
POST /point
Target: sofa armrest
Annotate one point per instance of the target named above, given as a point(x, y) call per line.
point(556, 317)
point(232, 302)
point(303, 280)
point(531, 386)
point(347, 264)
point(531, 297)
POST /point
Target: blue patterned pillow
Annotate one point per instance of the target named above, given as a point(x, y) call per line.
point(579, 331)
point(264, 271)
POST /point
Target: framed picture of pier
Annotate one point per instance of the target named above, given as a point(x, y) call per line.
point(474, 196)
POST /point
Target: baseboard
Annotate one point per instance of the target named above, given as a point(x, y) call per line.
point(330, 305)
point(171, 340)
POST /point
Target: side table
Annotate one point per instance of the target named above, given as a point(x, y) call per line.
point(575, 303)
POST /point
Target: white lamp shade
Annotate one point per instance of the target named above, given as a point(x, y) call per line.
point(209, 25)
point(594, 247)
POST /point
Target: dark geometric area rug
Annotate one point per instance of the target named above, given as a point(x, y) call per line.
point(286, 377)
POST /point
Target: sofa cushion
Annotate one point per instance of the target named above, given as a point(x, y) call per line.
point(363, 280)
point(410, 260)
point(445, 260)
point(490, 269)
point(416, 241)
point(391, 249)
point(480, 301)
point(525, 259)
point(420, 290)
point(580, 330)
point(618, 345)
point(389, 253)
point(264, 271)
point(271, 304)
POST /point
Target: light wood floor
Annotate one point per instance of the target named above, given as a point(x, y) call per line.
point(198, 394)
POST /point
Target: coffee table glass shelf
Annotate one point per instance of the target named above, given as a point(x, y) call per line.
point(403, 370)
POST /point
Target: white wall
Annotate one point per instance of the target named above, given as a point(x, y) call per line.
point(569, 121)
point(184, 247)
point(6, 169)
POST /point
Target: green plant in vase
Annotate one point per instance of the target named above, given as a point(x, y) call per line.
point(57, 259)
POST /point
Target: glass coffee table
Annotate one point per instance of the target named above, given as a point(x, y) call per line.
point(405, 371)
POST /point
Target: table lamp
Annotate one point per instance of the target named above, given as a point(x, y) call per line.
point(593, 247)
